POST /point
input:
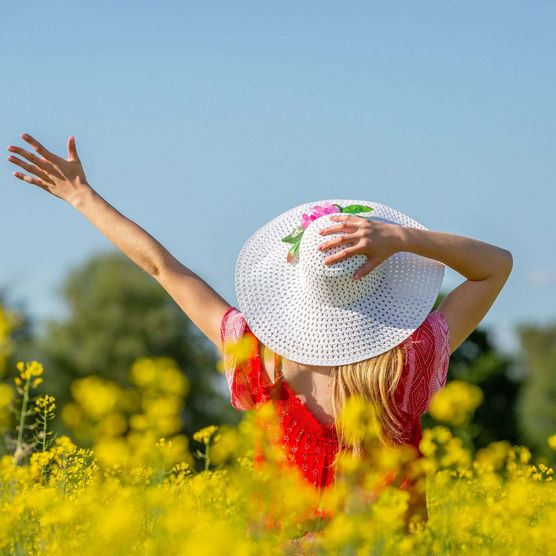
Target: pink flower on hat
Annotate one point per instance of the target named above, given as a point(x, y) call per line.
point(294, 238)
point(316, 212)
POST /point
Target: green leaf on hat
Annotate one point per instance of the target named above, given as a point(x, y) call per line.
point(351, 209)
point(293, 251)
point(295, 236)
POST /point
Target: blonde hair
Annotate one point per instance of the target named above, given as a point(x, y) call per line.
point(374, 380)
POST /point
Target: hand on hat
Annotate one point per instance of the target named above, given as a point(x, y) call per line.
point(62, 177)
point(377, 240)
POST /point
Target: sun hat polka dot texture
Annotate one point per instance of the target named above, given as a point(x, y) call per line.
point(316, 314)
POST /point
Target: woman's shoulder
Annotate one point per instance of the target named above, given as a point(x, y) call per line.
point(432, 336)
point(240, 349)
point(239, 344)
point(426, 364)
point(435, 323)
point(233, 324)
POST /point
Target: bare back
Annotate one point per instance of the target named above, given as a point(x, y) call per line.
point(311, 383)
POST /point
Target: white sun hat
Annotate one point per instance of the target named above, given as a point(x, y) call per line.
point(316, 314)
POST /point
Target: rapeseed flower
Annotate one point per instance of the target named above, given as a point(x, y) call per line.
point(456, 402)
point(96, 396)
point(205, 434)
point(238, 351)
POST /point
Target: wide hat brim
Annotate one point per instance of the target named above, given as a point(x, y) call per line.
point(312, 326)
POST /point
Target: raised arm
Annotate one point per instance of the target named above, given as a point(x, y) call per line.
point(485, 266)
point(65, 179)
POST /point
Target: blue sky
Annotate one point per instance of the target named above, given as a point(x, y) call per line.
point(202, 121)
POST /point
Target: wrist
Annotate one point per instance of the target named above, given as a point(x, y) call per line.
point(401, 238)
point(412, 239)
point(78, 199)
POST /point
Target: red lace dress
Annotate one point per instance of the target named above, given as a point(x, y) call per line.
point(312, 444)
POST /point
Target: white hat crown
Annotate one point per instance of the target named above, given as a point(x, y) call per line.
point(332, 284)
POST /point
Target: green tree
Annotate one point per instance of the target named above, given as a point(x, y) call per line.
point(118, 313)
point(536, 404)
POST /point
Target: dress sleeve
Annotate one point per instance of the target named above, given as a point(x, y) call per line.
point(239, 347)
point(427, 364)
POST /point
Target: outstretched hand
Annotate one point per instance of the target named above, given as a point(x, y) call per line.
point(63, 177)
point(377, 240)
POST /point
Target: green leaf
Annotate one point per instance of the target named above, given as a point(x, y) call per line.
point(351, 209)
point(293, 251)
point(294, 236)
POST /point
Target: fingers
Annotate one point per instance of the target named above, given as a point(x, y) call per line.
point(343, 254)
point(31, 168)
point(72, 150)
point(339, 240)
point(38, 147)
point(30, 179)
point(40, 162)
point(347, 222)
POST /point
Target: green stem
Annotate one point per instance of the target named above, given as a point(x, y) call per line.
point(43, 469)
point(44, 432)
point(22, 416)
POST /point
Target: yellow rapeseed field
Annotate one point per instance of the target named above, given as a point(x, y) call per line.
point(137, 488)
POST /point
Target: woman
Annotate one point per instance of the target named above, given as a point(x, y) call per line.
point(341, 300)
